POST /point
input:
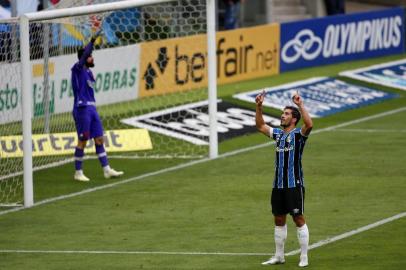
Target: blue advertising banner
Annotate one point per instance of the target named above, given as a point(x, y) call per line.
point(341, 38)
point(392, 74)
point(322, 96)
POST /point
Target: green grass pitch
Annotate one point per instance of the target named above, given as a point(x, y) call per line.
point(216, 214)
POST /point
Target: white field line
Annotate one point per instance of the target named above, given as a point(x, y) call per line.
point(363, 119)
point(350, 233)
point(369, 130)
point(68, 160)
point(132, 252)
point(294, 252)
point(188, 164)
point(92, 156)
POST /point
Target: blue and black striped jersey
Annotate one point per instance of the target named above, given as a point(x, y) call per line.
point(288, 160)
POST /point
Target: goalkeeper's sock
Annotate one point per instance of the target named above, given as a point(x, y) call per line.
point(281, 233)
point(79, 153)
point(102, 155)
point(106, 168)
point(303, 237)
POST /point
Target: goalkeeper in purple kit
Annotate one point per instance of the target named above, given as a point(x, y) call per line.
point(87, 120)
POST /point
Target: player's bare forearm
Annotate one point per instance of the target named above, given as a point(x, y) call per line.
point(307, 120)
point(259, 119)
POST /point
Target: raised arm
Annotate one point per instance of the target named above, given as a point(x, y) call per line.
point(307, 120)
point(259, 120)
point(89, 48)
point(86, 53)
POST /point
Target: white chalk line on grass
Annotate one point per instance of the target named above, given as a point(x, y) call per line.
point(189, 164)
point(370, 130)
point(112, 252)
point(332, 128)
point(294, 252)
point(350, 233)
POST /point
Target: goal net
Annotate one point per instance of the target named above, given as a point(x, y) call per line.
point(150, 86)
point(11, 184)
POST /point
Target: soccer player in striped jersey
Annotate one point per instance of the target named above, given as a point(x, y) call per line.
point(87, 120)
point(288, 187)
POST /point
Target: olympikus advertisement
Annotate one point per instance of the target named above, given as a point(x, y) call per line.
point(341, 38)
point(392, 74)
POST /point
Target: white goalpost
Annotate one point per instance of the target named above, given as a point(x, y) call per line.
point(155, 89)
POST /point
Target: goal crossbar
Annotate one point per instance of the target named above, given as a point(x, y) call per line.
point(26, 82)
point(85, 10)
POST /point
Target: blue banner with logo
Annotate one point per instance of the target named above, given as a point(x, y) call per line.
point(392, 74)
point(341, 38)
point(323, 96)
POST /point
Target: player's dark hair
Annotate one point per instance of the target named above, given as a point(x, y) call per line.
point(295, 113)
point(80, 52)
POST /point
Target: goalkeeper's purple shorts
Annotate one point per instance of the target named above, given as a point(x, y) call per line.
point(87, 121)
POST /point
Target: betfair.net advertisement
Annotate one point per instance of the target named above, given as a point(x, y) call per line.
point(123, 140)
point(180, 64)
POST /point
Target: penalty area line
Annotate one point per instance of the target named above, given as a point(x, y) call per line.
point(191, 253)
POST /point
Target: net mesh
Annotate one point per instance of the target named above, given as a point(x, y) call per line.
point(150, 74)
point(10, 114)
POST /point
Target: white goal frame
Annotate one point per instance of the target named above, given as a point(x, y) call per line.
point(26, 74)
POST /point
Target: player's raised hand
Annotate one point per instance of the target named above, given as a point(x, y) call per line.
point(297, 99)
point(259, 99)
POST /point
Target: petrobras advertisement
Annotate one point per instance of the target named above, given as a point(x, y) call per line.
point(392, 74)
point(323, 96)
point(115, 72)
point(341, 38)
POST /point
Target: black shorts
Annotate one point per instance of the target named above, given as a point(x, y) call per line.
point(288, 201)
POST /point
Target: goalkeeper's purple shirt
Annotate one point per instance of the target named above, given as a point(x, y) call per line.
point(83, 81)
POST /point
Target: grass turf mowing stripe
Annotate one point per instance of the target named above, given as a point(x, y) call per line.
point(188, 164)
point(368, 130)
point(350, 233)
point(294, 252)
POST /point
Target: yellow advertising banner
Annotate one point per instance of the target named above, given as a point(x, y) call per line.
point(248, 53)
point(122, 140)
point(172, 65)
point(180, 64)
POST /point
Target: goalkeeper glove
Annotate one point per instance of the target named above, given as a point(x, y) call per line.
point(96, 35)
